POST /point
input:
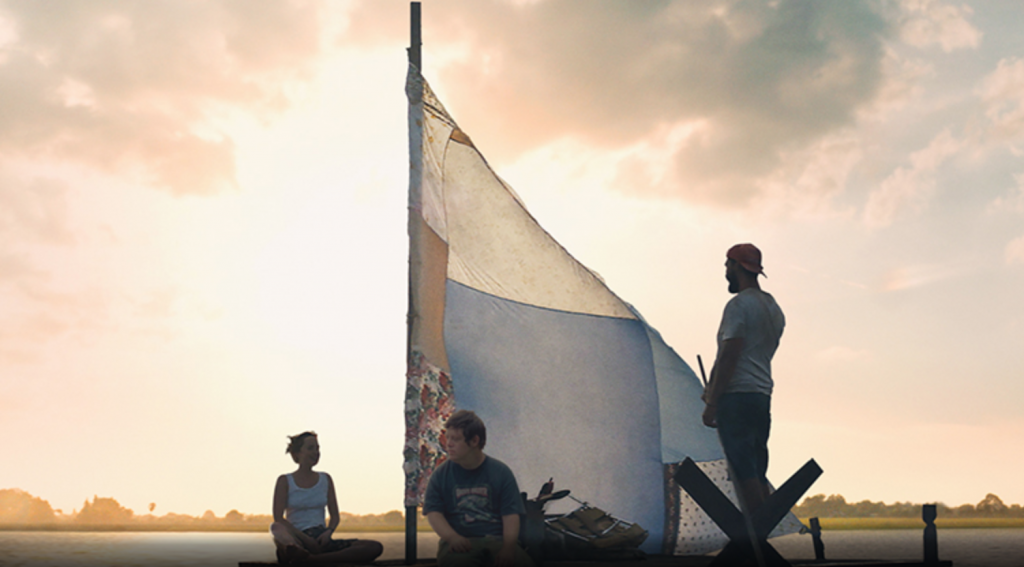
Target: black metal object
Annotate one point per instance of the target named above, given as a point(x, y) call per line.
point(931, 534)
point(415, 53)
point(410, 534)
point(533, 533)
point(531, 536)
point(819, 546)
point(746, 544)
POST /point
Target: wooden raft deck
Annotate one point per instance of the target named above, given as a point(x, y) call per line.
point(659, 561)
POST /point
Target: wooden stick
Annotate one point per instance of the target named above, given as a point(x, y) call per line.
point(702, 375)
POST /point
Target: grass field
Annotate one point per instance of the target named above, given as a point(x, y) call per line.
point(911, 523)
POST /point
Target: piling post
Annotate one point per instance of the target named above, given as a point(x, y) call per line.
point(931, 534)
point(819, 546)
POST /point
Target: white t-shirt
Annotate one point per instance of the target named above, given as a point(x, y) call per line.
point(754, 316)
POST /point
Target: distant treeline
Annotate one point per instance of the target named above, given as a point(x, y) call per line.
point(18, 507)
point(835, 506)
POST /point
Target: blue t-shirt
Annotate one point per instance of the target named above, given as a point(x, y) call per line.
point(473, 501)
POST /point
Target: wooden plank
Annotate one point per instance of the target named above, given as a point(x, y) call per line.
point(662, 561)
point(721, 510)
point(711, 500)
point(780, 502)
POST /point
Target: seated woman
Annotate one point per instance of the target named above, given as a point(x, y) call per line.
point(299, 530)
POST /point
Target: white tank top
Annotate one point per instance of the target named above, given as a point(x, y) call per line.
point(306, 505)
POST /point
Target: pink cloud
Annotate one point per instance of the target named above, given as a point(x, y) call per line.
point(132, 86)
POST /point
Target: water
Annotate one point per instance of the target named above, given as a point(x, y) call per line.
point(165, 549)
point(987, 547)
point(965, 547)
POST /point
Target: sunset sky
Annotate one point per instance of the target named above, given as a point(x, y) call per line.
point(203, 247)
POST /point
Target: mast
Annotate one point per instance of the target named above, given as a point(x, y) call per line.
point(415, 178)
point(414, 34)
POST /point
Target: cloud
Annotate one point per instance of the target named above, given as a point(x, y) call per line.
point(1013, 201)
point(1003, 95)
point(15, 266)
point(763, 77)
point(54, 281)
point(133, 86)
point(910, 188)
point(808, 181)
point(901, 85)
point(918, 275)
point(1015, 251)
point(35, 211)
point(930, 22)
point(33, 216)
point(843, 355)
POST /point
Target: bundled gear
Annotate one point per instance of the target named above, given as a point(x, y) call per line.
point(585, 533)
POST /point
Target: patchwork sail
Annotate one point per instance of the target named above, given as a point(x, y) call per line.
point(569, 378)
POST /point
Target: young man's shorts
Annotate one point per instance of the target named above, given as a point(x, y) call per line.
point(483, 554)
point(743, 423)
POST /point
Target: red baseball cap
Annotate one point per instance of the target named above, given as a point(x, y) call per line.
point(748, 256)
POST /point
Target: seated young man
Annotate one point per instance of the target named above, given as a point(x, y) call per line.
point(473, 501)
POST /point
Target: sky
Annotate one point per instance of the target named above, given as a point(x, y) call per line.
point(203, 247)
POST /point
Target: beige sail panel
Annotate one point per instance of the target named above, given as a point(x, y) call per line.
point(427, 289)
point(437, 131)
point(496, 247)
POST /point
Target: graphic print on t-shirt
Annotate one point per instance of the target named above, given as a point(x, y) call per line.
point(474, 504)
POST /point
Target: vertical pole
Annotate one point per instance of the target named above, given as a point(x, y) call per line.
point(415, 59)
point(410, 534)
point(414, 35)
point(819, 546)
point(931, 535)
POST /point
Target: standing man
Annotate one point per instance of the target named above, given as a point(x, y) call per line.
point(738, 396)
point(473, 501)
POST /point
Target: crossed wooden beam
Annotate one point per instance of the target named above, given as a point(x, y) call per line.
point(719, 508)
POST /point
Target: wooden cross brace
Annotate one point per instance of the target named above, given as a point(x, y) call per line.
point(720, 509)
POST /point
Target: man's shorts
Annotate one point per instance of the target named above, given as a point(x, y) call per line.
point(743, 423)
